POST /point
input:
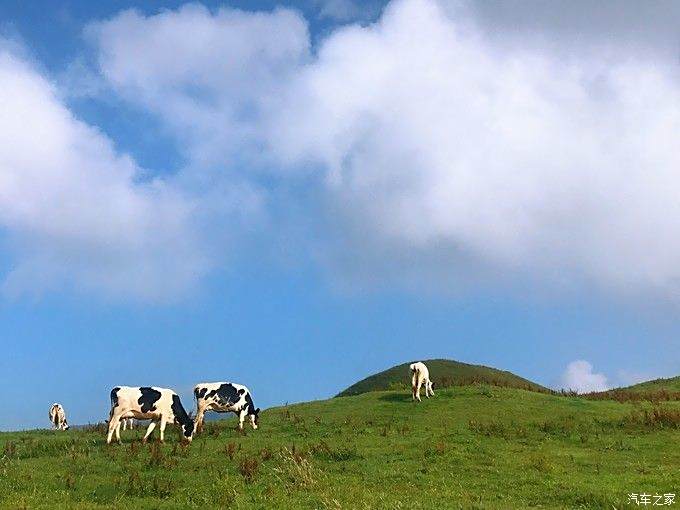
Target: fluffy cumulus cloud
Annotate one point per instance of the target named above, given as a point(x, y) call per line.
point(75, 212)
point(579, 377)
point(440, 147)
point(440, 144)
point(209, 76)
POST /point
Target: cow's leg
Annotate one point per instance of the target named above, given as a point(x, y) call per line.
point(241, 418)
point(118, 430)
point(418, 385)
point(252, 422)
point(429, 387)
point(114, 422)
point(163, 423)
point(149, 430)
point(200, 413)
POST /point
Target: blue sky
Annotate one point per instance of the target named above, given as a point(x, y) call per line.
point(295, 195)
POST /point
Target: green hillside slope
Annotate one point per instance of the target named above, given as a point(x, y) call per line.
point(443, 373)
point(657, 390)
point(670, 384)
point(467, 447)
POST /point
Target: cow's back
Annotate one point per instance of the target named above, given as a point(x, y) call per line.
point(222, 393)
point(144, 399)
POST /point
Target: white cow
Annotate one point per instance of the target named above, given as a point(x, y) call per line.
point(420, 375)
point(225, 397)
point(160, 405)
point(58, 417)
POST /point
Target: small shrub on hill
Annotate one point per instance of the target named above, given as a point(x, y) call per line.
point(248, 467)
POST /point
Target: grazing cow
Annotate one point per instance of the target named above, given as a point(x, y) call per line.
point(160, 405)
point(225, 397)
point(58, 417)
point(420, 375)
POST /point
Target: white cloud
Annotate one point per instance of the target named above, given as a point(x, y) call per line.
point(74, 211)
point(579, 376)
point(208, 76)
point(438, 141)
point(441, 150)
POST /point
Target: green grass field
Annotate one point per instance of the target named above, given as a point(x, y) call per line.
point(468, 447)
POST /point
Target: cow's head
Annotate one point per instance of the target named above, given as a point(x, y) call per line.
point(186, 423)
point(65, 425)
point(256, 417)
point(188, 429)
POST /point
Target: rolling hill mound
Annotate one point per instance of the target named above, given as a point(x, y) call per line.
point(444, 373)
point(657, 390)
point(669, 384)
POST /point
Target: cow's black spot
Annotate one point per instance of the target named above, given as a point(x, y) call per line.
point(250, 406)
point(148, 399)
point(226, 394)
point(182, 417)
point(114, 396)
point(200, 392)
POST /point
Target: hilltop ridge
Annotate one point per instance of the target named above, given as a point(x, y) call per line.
point(444, 373)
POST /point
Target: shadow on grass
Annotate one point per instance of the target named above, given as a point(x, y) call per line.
point(396, 397)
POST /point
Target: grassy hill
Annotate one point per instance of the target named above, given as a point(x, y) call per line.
point(468, 447)
point(670, 384)
point(444, 373)
point(657, 390)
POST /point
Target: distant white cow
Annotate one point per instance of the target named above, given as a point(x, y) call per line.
point(225, 397)
point(420, 375)
point(160, 405)
point(58, 417)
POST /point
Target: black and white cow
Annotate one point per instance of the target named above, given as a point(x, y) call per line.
point(225, 397)
point(58, 417)
point(160, 405)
